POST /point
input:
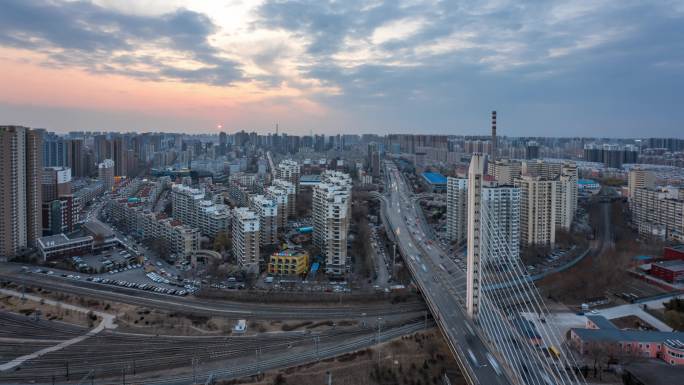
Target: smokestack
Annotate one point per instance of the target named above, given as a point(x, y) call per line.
point(494, 135)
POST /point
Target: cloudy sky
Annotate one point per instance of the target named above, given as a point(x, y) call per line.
point(553, 67)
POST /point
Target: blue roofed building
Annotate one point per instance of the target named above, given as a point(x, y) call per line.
point(434, 181)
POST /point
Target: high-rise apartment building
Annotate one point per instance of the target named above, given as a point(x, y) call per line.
point(474, 238)
point(289, 170)
point(190, 207)
point(105, 173)
point(373, 159)
point(538, 210)
point(54, 150)
point(640, 178)
point(75, 158)
point(494, 149)
point(267, 211)
point(500, 224)
point(612, 155)
point(564, 177)
point(457, 209)
point(567, 197)
point(56, 182)
point(20, 188)
point(291, 190)
point(505, 171)
point(246, 238)
point(331, 215)
point(280, 197)
point(532, 150)
point(542, 169)
point(118, 150)
point(493, 228)
point(659, 212)
point(59, 211)
point(102, 148)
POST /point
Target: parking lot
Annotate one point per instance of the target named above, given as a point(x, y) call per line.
point(104, 262)
point(146, 276)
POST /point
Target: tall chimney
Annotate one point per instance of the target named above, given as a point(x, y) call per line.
point(494, 135)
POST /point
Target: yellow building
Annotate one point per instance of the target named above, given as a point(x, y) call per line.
point(289, 262)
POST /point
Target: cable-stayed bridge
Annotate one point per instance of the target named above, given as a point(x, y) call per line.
point(507, 340)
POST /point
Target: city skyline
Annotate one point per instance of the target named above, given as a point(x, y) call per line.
point(603, 69)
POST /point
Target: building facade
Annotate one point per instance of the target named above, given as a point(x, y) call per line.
point(331, 216)
point(190, 206)
point(267, 212)
point(500, 237)
point(20, 189)
point(639, 178)
point(289, 170)
point(457, 209)
point(280, 197)
point(246, 238)
point(505, 171)
point(538, 209)
point(105, 173)
point(659, 213)
point(473, 258)
point(289, 262)
point(291, 190)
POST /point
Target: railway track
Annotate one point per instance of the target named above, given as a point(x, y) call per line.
point(213, 307)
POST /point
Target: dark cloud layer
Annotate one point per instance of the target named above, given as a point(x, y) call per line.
point(571, 68)
point(86, 35)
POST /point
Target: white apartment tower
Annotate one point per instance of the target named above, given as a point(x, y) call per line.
point(475, 180)
point(280, 197)
point(457, 209)
point(331, 215)
point(246, 238)
point(566, 206)
point(190, 207)
point(500, 221)
point(267, 212)
point(291, 190)
point(289, 170)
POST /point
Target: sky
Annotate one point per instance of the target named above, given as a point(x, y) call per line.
point(550, 68)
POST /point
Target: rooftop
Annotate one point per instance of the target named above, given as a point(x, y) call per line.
point(309, 179)
point(601, 322)
point(434, 178)
point(586, 181)
point(617, 335)
point(96, 227)
point(676, 266)
point(59, 240)
point(656, 372)
point(290, 253)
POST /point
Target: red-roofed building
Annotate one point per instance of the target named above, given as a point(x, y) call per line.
point(674, 252)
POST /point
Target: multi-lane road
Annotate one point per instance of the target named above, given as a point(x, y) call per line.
point(440, 284)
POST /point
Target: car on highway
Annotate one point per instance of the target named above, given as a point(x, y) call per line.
point(494, 363)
